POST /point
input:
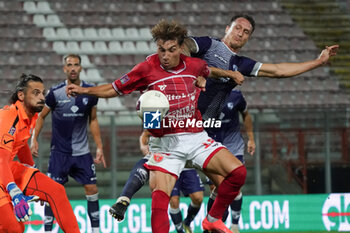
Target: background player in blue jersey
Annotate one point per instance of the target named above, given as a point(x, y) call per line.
point(229, 134)
point(70, 154)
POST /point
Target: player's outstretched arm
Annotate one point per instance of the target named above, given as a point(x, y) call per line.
point(285, 70)
point(103, 91)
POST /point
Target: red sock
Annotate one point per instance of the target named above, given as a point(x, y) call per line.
point(159, 217)
point(227, 191)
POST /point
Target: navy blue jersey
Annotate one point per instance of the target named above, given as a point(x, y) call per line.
point(217, 54)
point(229, 134)
point(70, 119)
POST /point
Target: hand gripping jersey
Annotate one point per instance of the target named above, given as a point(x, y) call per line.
point(217, 54)
point(176, 84)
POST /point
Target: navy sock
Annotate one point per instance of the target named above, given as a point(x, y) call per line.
point(176, 217)
point(210, 203)
point(138, 177)
point(191, 213)
point(48, 222)
point(236, 207)
point(93, 209)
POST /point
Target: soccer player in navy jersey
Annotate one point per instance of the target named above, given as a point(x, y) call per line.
point(224, 54)
point(173, 73)
point(70, 154)
point(229, 134)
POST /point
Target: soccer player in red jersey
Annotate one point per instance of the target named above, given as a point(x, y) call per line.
point(20, 183)
point(173, 73)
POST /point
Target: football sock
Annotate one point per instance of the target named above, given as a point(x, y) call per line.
point(48, 222)
point(227, 191)
point(176, 216)
point(236, 207)
point(93, 210)
point(192, 211)
point(159, 217)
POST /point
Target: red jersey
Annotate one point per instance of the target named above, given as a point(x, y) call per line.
point(176, 84)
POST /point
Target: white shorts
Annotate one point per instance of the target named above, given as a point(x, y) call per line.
point(171, 152)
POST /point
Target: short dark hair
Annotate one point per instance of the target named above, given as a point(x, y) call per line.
point(22, 84)
point(73, 56)
point(169, 31)
point(247, 17)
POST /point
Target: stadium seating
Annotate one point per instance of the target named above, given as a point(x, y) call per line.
point(113, 36)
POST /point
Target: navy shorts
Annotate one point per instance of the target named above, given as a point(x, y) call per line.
point(188, 182)
point(81, 168)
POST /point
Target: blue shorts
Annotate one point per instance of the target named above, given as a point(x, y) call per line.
point(81, 168)
point(240, 157)
point(188, 182)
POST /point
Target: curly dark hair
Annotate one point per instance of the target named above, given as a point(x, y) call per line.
point(22, 84)
point(165, 30)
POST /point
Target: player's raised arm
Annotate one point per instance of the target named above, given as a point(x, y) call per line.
point(102, 91)
point(285, 70)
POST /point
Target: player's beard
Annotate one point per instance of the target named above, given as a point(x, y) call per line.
point(37, 108)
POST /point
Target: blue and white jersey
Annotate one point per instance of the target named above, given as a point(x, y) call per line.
point(70, 119)
point(217, 54)
point(229, 134)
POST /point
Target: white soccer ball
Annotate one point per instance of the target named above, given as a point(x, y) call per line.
point(152, 101)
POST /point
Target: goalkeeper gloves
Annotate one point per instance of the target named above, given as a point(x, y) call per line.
point(20, 202)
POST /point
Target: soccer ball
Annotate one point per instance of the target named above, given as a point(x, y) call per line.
point(152, 101)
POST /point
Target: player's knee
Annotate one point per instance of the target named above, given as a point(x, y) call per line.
point(197, 199)
point(174, 202)
point(90, 189)
point(238, 175)
point(142, 174)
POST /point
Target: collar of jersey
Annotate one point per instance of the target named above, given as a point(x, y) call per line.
point(81, 82)
point(229, 48)
point(22, 113)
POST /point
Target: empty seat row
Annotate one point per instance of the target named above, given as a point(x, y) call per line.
point(101, 47)
point(281, 43)
point(297, 99)
point(30, 58)
point(289, 85)
point(166, 6)
point(33, 7)
point(148, 19)
point(24, 45)
point(103, 33)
